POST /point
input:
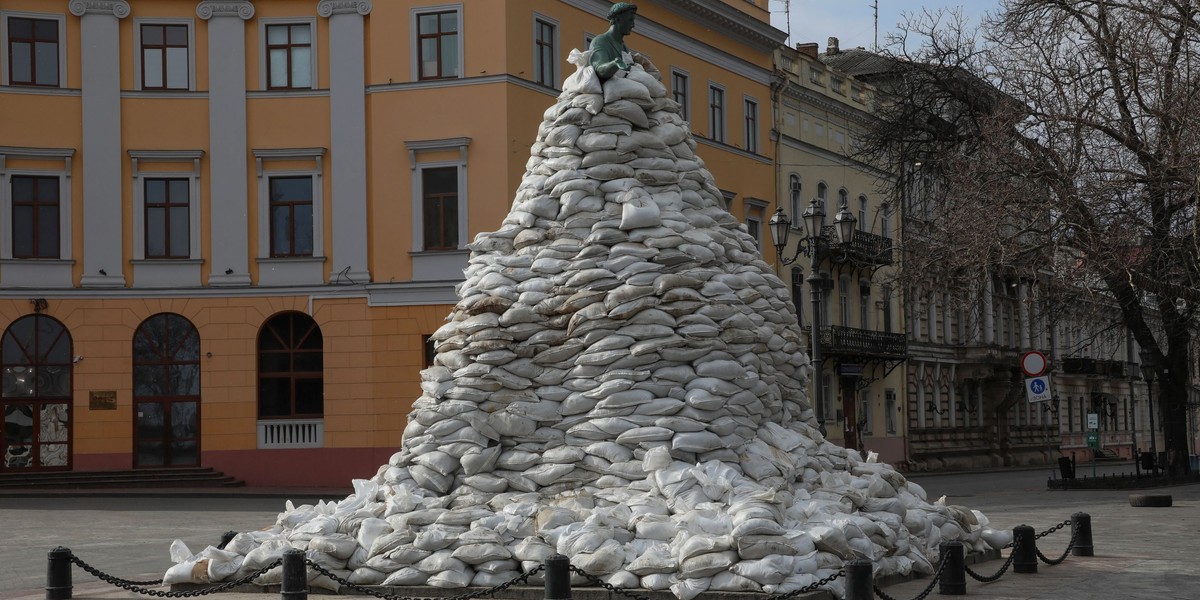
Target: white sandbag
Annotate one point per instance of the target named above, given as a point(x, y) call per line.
point(687, 589)
point(454, 578)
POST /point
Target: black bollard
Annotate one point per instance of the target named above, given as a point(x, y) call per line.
point(558, 578)
point(1024, 549)
point(58, 574)
point(1081, 532)
point(226, 538)
point(954, 573)
point(860, 580)
point(295, 576)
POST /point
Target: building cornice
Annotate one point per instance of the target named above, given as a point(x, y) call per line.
point(225, 8)
point(116, 8)
point(719, 16)
point(328, 8)
point(807, 96)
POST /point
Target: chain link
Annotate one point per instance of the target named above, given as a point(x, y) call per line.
point(136, 587)
point(1052, 529)
point(812, 587)
point(937, 576)
point(620, 591)
point(1059, 560)
point(518, 580)
point(1000, 573)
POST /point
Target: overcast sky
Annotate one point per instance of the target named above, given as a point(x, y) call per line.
point(852, 21)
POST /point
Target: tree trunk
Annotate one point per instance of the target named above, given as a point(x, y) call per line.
point(1172, 401)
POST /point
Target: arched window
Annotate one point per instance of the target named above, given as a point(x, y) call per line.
point(822, 191)
point(166, 392)
point(35, 400)
point(290, 368)
point(885, 221)
point(862, 213)
point(797, 200)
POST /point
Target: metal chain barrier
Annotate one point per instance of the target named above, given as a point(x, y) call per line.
point(1059, 560)
point(1052, 529)
point(812, 587)
point(620, 591)
point(1000, 573)
point(936, 576)
point(518, 580)
point(136, 587)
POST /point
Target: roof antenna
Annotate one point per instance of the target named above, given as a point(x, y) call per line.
point(876, 48)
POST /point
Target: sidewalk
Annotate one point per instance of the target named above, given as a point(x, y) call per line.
point(1140, 552)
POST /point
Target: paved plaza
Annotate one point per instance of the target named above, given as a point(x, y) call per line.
point(1140, 552)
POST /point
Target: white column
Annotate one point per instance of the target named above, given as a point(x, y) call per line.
point(229, 204)
point(100, 48)
point(348, 138)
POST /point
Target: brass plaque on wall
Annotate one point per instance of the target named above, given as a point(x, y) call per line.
point(103, 400)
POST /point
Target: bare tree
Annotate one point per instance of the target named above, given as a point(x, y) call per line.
point(1060, 140)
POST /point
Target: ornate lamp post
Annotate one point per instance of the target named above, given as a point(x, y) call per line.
point(810, 245)
point(1148, 364)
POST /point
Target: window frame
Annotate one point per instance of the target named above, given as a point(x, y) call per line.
point(6, 48)
point(716, 112)
point(300, 271)
point(291, 204)
point(415, 14)
point(750, 122)
point(554, 77)
point(862, 212)
point(685, 108)
point(6, 211)
point(417, 165)
point(798, 294)
point(139, 82)
point(264, 57)
point(796, 200)
point(140, 157)
point(37, 205)
point(290, 350)
point(167, 204)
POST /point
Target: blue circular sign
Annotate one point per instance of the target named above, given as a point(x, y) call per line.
point(1037, 386)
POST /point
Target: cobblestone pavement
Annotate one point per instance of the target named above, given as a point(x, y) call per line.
point(1140, 552)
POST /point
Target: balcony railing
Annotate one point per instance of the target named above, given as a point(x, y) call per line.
point(1092, 366)
point(865, 249)
point(849, 341)
point(291, 433)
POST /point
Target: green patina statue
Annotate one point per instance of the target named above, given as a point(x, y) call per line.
point(609, 53)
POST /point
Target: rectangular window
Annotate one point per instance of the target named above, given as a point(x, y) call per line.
point(751, 126)
point(889, 407)
point(798, 293)
point(168, 230)
point(814, 75)
point(885, 296)
point(545, 53)
point(35, 217)
point(865, 420)
point(679, 92)
point(33, 51)
point(844, 300)
point(835, 83)
point(289, 56)
point(440, 196)
point(754, 226)
point(291, 210)
point(716, 113)
point(164, 51)
point(864, 306)
point(437, 45)
point(826, 411)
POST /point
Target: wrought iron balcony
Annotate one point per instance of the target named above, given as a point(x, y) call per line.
point(866, 249)
point(864, 343)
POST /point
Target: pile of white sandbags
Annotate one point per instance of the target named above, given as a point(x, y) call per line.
point(622, 381)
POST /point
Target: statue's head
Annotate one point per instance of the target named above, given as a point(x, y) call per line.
point(619, 9)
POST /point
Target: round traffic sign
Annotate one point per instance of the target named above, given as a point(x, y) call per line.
point(1033, 363)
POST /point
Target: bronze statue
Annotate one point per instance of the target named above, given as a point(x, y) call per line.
point(609, 53)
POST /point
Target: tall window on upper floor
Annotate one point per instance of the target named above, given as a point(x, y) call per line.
point(680, 92)
point(291, 380)
point(545, 52)
point(164, 56)
point(751, 140)
point(843, 198)
point(822, 192)
point(863, 224)
point(439, 193)
point(167, 217)
point(796, 198)
point(885, 220)
point(438, 44)
point(844, 299)
point(289, 56)
point(34, 56)
point(35, 216)
point(716, 113)
point(864, 304)
point(798, 293)
point(291, 210)
point(885, 297)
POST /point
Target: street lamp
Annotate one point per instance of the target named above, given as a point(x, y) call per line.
point(809, 245)
point(1148, 364)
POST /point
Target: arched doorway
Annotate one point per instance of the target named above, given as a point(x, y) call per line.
point(166, 392)
point(35, 400)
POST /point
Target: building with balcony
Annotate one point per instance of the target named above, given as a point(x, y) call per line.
point(819, 111)
point(229, 227)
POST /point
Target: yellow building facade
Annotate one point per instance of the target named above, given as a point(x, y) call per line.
point(820, 111)
point(228, 228)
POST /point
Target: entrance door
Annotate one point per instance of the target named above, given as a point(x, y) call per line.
point(35, 399)
point(166, 392)
point(849, 413)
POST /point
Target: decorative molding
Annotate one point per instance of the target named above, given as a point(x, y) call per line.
point(227, 8)
point(313, 154)
point(416, 146)
point(116, 8)
point(328, 8)
point(430, 84)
